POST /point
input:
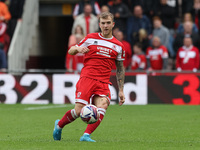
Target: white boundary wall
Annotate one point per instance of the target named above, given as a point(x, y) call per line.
point(22, 39)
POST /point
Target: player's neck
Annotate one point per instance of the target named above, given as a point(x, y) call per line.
point(107, 35)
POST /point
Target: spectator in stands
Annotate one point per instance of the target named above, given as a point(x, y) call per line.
point(105, 8)
point(3, 60)
point(157, 56)
point(187, 33)
point(75, 62)
point(102, 2)
point(121, 13)
point(187, 17)
point(115, 30)
point(160, 31)
point(79, 7)
point(186, 6)
point(87, 21)
point(138, 61)
point(148, 6)
point(163, 33)
point(3, 36)
point(188, 56)
point(16, 10)
point(3, 28)
point(167, 10)
point(136, 22)
point(195, 11)
point(127, 47)
point(4, 12)
point(72, 37)
point(142, 38)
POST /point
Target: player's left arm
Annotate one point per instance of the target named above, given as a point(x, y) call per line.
point(120, 80)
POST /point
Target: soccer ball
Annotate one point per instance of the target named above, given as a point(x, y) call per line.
point(89, 114)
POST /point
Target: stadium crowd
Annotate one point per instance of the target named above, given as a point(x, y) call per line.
point(157, 34)
point(10, 12)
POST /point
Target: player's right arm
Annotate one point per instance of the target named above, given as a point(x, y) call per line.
point(75, 49)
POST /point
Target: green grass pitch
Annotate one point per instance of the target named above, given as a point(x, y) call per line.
point(128, 127)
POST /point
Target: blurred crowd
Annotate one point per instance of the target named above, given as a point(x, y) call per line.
point(10, 13)
point(157, 34)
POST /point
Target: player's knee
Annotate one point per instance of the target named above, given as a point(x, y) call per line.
point(78, 111)
point(78, 108)
point(103, 103)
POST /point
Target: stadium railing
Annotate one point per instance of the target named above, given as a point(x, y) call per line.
point(22, 39)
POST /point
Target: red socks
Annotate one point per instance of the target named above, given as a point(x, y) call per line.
point(91, 127)
point(69, 117)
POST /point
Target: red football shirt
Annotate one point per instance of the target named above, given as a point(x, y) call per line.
point(187, 58)
point(138, 61)
point(103, 52)
point(156, 56)
point(3, 28)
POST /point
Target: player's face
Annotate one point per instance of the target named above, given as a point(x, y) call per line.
point(106, 26)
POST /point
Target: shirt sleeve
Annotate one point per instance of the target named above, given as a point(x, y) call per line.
point(142, 64)
point(76, 9)
point(97, 8)
point(178, 59)
point(83, 43)
point(165, 53)
point(147, 53)
point(197, 59)
point(121, 54)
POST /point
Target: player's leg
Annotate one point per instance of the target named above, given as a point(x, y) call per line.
point(82, 98)
point(69, 117)
point(102, 104)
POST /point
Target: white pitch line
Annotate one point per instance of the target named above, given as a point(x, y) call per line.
point(47, 107)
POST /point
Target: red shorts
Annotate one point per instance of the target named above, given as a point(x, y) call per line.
point(86, 88)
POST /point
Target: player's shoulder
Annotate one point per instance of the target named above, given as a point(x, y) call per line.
point(92, 35)
point(116, 41)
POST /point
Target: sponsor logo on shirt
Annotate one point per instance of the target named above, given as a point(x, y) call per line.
point(104, 51)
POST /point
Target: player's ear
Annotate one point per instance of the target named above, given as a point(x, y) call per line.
point(113, 24)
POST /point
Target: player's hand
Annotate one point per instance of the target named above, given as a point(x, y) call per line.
point(83, 50)
point(121, 97)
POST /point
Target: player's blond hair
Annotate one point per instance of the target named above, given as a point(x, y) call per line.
point(105, 15)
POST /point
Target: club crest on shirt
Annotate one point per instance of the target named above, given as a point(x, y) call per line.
point(114, 47)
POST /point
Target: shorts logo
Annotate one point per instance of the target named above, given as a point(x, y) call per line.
point(79, 94)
